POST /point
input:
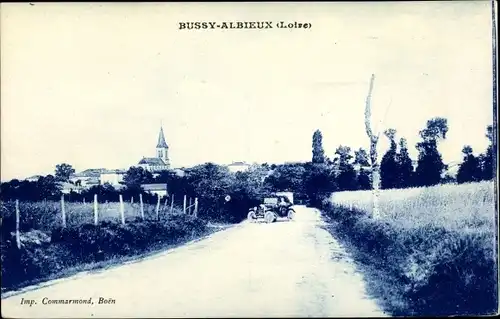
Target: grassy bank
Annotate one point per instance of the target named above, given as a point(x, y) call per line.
point(432, 252)
point(52, 251)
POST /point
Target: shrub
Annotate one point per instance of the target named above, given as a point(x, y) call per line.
point(80, 244)
point(438, 271)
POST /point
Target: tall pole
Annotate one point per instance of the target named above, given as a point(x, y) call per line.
point(18, 235)
point(63, 211)
point(184, 205)
point(373, 151)
point(158, 208)
point(172, 205)
point(142, 206)
point(122, 210)
point(96, 211)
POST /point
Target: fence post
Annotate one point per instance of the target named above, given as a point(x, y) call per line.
point(184, 205)
point(195, 207)
point(142, 206)
point(18, 236)
point(84, 200)
point(190, 204)
point(172, 205)
point(96, 212)
point(158, 208)
point(63, 211)
point(122, 209)
point(132, 200)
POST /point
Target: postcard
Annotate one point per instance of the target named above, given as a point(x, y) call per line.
point(236, 160)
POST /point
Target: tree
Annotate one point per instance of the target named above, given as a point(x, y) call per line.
point(435, 130)
point(344, 154)
point(317, 148)
point(48, 187)
point(105, 192)
point(211, 183)
point(64, 171)
point(373, 151)
point(364, 182)
point(319, 182)
point(286, 177)
point(135, 176)
point(361, 157)
point(346, 178)
point(175, 184)
point(389, 168)
point(405, 164)
point(430, 164)
point(487, 158)
point(470, 169)
point(247, 191)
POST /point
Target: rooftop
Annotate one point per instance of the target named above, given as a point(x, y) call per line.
point(239, 164)
point(154, 161)
point(91, 172)
point(34, 177)
point(154, 187)
point(114, 171)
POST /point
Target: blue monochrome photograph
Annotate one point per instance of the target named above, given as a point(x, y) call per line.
point(249, 159)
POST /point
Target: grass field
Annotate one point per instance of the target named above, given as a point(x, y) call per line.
point(46, 216)
point(466, 207)
point(432, 252)
point(50, 251)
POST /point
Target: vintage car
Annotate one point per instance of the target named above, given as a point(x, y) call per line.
point(272, 208)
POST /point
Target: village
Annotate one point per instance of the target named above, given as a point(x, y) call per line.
point(78, 182)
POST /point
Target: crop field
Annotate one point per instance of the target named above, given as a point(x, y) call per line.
point(466, 207)
point(432, 251)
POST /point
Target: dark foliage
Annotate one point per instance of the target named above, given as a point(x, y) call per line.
point(470, 169)
point(73, 246)
point(318, 154)
point(430, 164)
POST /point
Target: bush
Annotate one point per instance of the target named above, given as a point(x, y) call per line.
point(77, 245)
point(439, 271)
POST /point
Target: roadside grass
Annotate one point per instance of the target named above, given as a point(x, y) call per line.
point(433, 251)
point(49, 251)
point(47, 216)
point(111, 261)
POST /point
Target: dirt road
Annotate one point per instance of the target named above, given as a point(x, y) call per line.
point(282, 269)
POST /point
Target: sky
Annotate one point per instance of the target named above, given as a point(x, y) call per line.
point(90, 84)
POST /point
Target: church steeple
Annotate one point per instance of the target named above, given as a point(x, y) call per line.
point(161, 140)
point(162, 148)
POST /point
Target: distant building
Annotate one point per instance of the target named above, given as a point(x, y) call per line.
point(238, 167)
point(87, 178)
point(113, 177)
point(157, 189)
point(67, 188)
point(159, 163)
point(33, 178)
point(179, 172)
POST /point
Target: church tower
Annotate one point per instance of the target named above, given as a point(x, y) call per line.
point(162, 148)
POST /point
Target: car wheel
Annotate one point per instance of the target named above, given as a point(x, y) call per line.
point(269, 217)
point(251, 216)
point(291, 214)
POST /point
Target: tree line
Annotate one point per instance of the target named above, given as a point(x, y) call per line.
point(396, 167)
point(346, 170)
